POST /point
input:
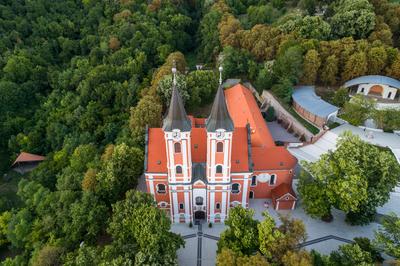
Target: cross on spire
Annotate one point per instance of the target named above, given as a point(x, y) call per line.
point(174, 72)
point(220, 74)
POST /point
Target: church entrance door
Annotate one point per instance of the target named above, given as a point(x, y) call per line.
point(199, 215)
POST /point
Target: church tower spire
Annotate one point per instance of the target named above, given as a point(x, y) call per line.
point(176, 117)
point(219, 117)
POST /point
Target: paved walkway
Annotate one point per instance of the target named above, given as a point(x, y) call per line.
point(323, 237)
point(200, 244)
point(269, 100)
point(280, 134)
point(328, 141)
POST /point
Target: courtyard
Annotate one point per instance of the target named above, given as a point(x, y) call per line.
point(201, 241)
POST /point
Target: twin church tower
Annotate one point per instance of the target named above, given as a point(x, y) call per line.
point(198, 168)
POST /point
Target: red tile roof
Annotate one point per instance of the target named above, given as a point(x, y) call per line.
point(156, 154)
point(282, 190)
point(243, 109)
point(199, 145)
point(273, 158)
point(24, 157)
point(240, 155)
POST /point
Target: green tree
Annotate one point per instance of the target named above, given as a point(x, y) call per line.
point(5, 218)
point(356, 66)
point(360, 178)
point(288, 64)
point(164, 88)
point(120, 172)
point(314, 27)
point(147, 112)
point(358, 109)
point(299, 258)
point(310, 67)
point(268, 235)
point(387, 238)
point(330, 70)
point(229, 258)
point(349, 255)
point(48, 256)
point(241, 235)
point(137, 220)
point(202, 85)
point(353, 18)
point(377, 58)
point(262, 14)
point(209, 35)
point(341, 97)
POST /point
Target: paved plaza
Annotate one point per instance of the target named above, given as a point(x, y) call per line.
point(201, 241)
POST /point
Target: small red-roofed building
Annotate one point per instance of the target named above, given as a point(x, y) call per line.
point(283, 197)
point(26, 162)
point(198, 168)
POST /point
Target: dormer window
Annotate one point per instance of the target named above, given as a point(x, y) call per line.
point(177, 147)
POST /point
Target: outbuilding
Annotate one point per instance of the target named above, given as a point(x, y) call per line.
point(283, 197)
point(311, 107)
point(26, 162)
point(375, 85)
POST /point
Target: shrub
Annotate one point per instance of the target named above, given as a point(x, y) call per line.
point(270, 114)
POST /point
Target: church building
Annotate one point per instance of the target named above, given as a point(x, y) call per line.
point(198, 168)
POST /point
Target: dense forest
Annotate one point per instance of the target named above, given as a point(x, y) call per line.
point(81, 79)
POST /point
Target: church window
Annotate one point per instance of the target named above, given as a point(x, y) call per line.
point(181, 206)
point(272, 180)
point(179, 169)
point(220, 147)
point(254, 181)
point(199, 200)
point(177, 147)
point(161, 188)
point(218, 206)
point(218, 169)
point(235, 188)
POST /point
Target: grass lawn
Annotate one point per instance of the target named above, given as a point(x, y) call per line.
point(304, 122)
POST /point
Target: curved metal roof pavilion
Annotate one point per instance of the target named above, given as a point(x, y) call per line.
point(305, 96)
point(373, 79)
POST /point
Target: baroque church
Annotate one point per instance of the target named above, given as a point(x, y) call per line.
point(198, 168)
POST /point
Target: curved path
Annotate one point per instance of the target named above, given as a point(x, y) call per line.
point(312, 152)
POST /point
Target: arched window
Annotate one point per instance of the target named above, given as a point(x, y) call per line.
point(181, 206)
point(272, 180)
point(179, 169)
point(220, 147)
point(251, 195)
point(199, 200)
point(218, 169)
point(177, 147)
point(235, 188)
point(254, 181)
point(218, 206)
point(161, 189)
